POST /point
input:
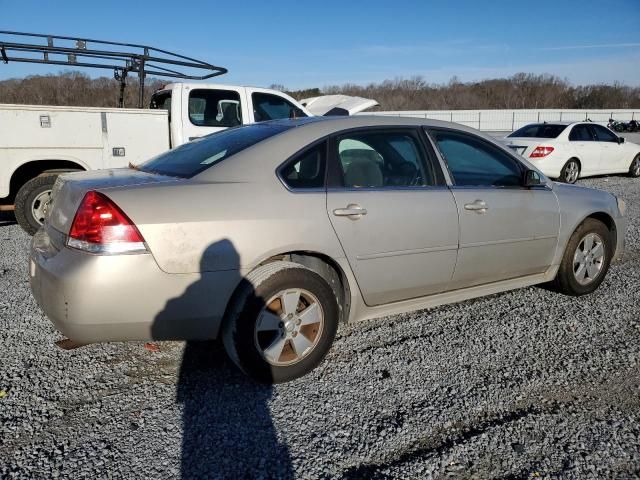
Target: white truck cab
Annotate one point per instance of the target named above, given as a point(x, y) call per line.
point(197, 109)
point(37, 143)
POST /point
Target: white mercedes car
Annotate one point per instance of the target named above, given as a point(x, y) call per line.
point(567, 151)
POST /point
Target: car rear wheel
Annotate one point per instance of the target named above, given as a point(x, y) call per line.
point(570, 172)
point(282, 323)
point(32, 202)
point(634, 168)
point(586, 259)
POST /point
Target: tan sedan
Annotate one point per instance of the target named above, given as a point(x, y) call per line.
point(270, 235)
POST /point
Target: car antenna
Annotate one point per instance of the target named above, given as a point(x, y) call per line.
point(122, 58)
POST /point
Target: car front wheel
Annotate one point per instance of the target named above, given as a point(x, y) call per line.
point(282, 323)
point(586, 259)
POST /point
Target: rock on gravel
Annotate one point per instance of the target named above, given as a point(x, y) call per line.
point(523, 384)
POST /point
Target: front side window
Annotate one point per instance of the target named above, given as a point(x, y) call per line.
point(306, 170)
point(194, 157)
point(604, 134)
point(214, 108)
point(382, 159)
point(580, 133)
point(539, 130)
point(273, 107)
point(474, 162)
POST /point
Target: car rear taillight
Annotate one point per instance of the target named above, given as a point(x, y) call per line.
point(99, 226)
point(541, 151)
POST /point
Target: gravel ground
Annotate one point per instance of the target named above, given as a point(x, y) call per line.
point(524, 384)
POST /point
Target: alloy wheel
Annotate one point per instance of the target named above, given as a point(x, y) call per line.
point(289, 327)
point(588, 259)
point(635, 167)
point(572, 171)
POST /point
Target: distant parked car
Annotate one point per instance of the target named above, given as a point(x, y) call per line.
point(270, 235)
point(568, 151)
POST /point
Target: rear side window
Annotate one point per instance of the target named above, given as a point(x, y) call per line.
point(214, 108)
point(539, 130)
point(382, 159)
point(194, 157)
point(273, 107)
point(604, 134)
point(306, 170)
point(580, 133)
point(474, 162)
point(161, 101)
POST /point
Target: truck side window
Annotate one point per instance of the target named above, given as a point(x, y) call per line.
point(214, 108)
point(161, 101)
point(273, 107)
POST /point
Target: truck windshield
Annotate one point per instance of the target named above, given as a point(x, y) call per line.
point(194, 157)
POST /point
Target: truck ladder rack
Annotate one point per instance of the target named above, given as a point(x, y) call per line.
point(122, 58)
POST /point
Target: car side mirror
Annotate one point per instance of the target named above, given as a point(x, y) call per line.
point(532, 178)
point(620, 140)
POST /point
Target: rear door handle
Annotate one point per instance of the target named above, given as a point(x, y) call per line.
point(353, 211)
point(479, 206)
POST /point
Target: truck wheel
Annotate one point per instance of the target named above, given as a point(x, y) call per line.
point(282, 323)
point(32, 201)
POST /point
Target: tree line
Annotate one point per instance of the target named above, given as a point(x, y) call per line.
point(523, 90)
point(74, 89)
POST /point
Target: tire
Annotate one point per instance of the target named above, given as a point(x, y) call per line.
point(568, 174)
point(29, 209)
point(634, 168)
point(268, 354)
point(567, 280)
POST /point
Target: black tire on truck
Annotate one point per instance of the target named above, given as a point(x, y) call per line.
point(32, 201)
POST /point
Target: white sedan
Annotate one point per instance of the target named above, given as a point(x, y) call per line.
point(567, 151)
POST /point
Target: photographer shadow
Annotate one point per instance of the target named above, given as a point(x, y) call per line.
point(228, 431)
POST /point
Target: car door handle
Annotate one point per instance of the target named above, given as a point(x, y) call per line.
point(352, 211)
point(479, 206)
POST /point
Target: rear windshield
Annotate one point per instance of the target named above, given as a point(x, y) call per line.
point(194, 157)
point(539, 130)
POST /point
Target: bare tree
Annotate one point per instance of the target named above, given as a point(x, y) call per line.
point(523, 90)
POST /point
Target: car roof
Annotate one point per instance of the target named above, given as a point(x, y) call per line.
point(558, 123)
point(331, 124)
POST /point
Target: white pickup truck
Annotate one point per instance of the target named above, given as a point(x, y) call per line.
point(38, 142)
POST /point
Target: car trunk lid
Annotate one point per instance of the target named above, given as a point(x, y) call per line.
point(69, 190)
point(337, 104)
point(525, 145)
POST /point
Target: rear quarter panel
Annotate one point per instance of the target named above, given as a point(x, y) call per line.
point(195, 226)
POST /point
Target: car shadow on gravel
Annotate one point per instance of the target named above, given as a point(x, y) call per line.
point(228, 431)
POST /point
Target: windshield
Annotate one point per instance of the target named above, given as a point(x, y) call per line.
point(194, 157)
point(539, 130)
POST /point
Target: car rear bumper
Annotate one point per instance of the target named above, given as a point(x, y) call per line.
point(550, 166)
point(98, 298)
